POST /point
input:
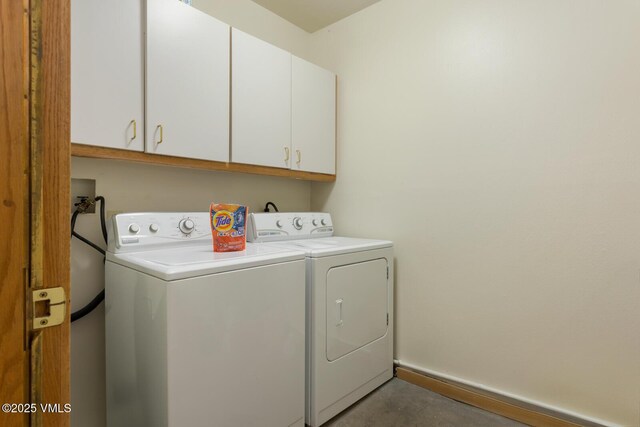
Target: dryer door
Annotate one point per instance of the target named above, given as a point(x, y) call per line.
point(357, 298)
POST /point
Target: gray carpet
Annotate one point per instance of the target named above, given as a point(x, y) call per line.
point(399, 403)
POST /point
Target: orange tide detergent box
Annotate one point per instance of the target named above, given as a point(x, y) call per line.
point(228, 227)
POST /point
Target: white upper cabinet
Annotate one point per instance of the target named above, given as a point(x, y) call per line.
point(261, 102)
point(187, 82)
point(107, 76)
point(313, 118)
point(205, 92)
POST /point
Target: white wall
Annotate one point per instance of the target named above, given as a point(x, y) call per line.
point(131, 187)
point(498, 144)
point(251, 18)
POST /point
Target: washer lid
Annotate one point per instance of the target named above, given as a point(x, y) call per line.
point(182, 263)
point(328, 246)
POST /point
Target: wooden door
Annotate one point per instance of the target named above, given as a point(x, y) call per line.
point(187, 82)
point(14, 211)
point(261, 102)
point(107, 73)
point(313, 117)
point(34, 187)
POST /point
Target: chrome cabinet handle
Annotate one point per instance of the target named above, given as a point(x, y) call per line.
point(161, 134)
point(339, 302)
point(299, 155)
point(135, 133)
point(286, 154)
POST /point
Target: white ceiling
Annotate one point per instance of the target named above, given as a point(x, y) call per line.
point(312, 15)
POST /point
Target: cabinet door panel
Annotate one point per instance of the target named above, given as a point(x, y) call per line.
point(187, 82)
point(261, 102)
point(313, 117)
point(107, 74)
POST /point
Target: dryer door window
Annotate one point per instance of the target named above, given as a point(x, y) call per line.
point(357, 296)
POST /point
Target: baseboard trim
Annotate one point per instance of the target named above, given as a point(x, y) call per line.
point(490, 402)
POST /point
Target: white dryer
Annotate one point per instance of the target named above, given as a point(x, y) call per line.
point(349, 308)
point(197, 338)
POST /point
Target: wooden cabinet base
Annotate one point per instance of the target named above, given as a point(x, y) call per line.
point(80, 150)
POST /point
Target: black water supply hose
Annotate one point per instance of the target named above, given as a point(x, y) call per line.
point(81, 207)
point(266, 207)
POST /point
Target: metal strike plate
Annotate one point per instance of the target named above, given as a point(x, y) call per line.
point(49, 307)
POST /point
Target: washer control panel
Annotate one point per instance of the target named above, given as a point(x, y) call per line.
point(271, 227)
point(153, 230)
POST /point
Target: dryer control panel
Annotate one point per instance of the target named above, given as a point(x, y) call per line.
point(278, 226)
point(133, 232)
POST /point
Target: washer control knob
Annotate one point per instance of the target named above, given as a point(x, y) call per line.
point(279, 224)
point(134, 228)
point(297, 223)
point(186, 226)
point(323, 222)
point(154, 228)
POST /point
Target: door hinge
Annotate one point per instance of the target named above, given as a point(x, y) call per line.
point(49, 307)
point(387, 272)
point(387, 319)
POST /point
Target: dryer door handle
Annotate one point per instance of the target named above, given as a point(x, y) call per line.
point(339, 303)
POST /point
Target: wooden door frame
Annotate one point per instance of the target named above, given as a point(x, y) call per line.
point(50, 76)
point(35, 144)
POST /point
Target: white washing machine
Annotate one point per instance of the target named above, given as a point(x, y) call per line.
point(197, 338)
point(349, 308)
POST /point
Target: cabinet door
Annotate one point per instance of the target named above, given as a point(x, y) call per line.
point(313, 118)
point(261, 102)
point(107, 74)
point(187, 82)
